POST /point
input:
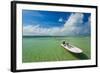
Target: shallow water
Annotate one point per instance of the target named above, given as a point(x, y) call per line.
point(40, 49)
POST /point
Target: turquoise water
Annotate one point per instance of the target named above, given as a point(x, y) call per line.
point(40, 49)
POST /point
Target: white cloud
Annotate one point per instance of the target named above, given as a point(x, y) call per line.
point(37, 30)
point(73, 26)
point(73, 23)
point(60, 20)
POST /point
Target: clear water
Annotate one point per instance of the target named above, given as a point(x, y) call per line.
point(41, 49)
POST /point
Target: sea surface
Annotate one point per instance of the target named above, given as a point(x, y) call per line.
point(48, 48)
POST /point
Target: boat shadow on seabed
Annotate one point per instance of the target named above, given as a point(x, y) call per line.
point(81, 56)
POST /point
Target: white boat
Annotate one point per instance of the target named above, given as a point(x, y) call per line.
point(72, 48)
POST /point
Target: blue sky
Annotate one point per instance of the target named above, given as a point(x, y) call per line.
point(55, 23)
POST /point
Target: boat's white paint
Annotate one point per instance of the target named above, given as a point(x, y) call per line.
point(72, 48)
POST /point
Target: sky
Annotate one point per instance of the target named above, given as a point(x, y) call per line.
point(51, 23)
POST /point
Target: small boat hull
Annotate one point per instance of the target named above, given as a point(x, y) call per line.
point(72, 48)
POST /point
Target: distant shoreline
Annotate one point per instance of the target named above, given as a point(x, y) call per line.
point(53, 36)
